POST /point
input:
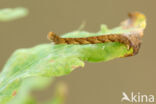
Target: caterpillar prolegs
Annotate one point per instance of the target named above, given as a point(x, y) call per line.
point(131, 41)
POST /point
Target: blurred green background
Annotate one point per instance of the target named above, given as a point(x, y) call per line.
point(96, 83)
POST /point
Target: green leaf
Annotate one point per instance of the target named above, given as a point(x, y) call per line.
point(9, 14)
point(51, 60)
point(23, 96)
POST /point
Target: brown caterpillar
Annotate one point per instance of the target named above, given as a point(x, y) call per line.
point(132, 41)
point(136, 20)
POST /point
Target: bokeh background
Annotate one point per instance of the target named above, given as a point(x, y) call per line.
point(96, 83)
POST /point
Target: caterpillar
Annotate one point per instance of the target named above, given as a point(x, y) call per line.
point(131, 41)
point(136, 20)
